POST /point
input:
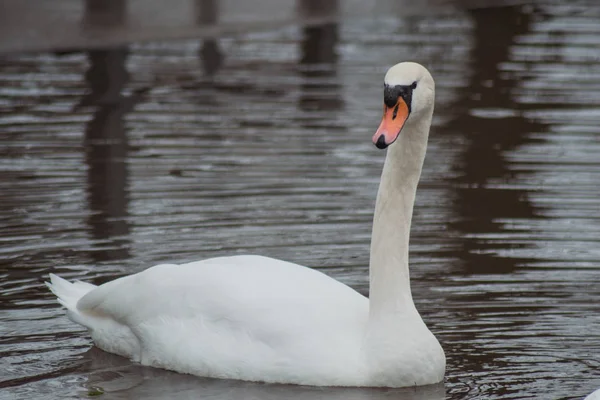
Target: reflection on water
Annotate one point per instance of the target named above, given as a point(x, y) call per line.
point(210, 53)
point(320, 91)
point(488, 119)
point(101, 13)
point(117, 159)
point(106, 149)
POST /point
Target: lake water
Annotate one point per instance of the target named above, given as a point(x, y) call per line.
point(114, 160)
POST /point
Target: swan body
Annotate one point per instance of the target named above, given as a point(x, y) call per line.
point(594, 395)
point(256, 318)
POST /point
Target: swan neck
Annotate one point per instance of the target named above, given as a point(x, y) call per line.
point(390, 292)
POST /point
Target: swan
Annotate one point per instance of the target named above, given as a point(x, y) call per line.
point(595, 395)
point(256, 318)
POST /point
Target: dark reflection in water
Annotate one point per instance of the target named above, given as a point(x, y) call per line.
point(486, 194)
point(492, 126)
point(106, 150)
point(104, 13)
point(210, 54)
point(320, 89)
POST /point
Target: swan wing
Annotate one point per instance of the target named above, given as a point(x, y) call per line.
point(243, 317)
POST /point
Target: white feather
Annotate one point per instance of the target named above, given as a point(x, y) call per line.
point(594, 395)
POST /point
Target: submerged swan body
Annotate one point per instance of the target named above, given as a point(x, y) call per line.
point(260, 319)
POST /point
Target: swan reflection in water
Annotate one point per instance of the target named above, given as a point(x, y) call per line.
point(121, 379)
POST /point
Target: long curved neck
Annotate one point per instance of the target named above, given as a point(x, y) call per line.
point(389, 275)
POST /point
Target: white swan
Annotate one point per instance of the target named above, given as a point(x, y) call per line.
point(260, 319)
point(594, 395)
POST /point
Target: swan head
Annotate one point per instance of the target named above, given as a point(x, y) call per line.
point(408, 92)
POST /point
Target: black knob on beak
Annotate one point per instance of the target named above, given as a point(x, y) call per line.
point(381, 142)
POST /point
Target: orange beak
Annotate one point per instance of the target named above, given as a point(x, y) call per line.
point(391, 124)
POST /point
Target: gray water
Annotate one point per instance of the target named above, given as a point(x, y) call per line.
point(115, 160)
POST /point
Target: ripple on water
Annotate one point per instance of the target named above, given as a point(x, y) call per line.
point(272, 155)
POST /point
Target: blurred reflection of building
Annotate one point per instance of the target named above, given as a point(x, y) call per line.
point(207, 14)
point(106, 150)
point(104, 13)
point(492, 125)
point(320, 90)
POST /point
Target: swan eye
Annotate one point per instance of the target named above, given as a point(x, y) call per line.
point(414, 85)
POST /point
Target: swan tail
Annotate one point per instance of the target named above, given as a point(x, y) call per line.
point(68, 294)
point(107, 333)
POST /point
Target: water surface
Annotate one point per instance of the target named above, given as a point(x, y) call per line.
point(116, 159)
